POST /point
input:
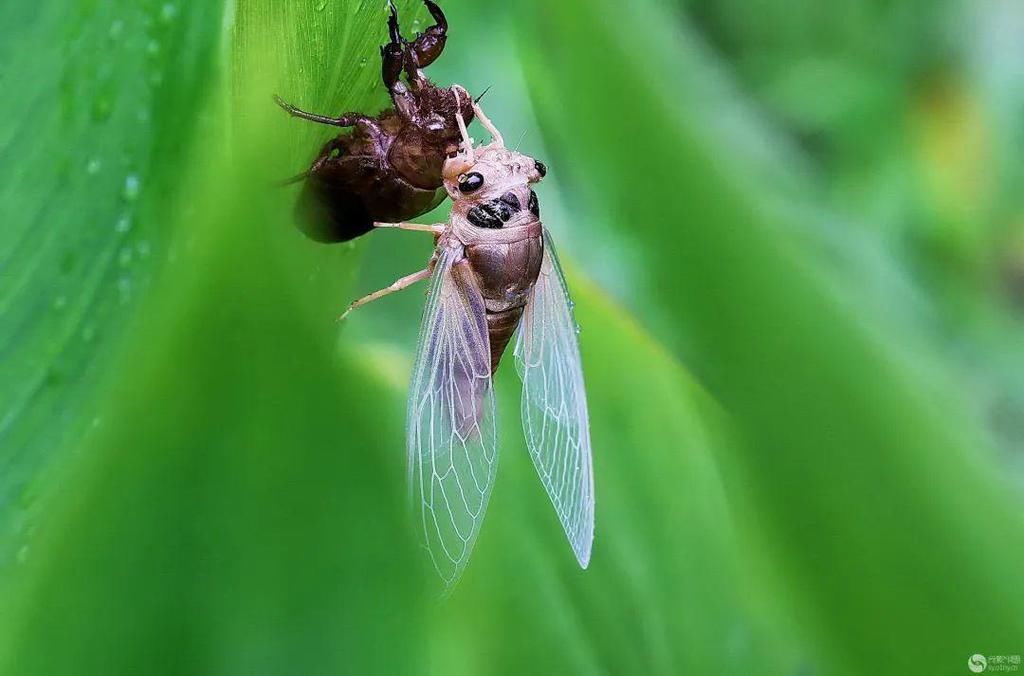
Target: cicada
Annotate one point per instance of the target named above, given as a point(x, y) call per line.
point(494, 273)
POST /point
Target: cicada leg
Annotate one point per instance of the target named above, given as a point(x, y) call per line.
point(392, 55)
point(400, 284)
point(427, 46)
point(326, 154)
point(496, 136)
point(436, 229)
point(346, 120)
point(467, 141)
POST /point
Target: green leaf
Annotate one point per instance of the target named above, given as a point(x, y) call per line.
point(204, 525)
point(244, 511)
point(101, 96)
point(814, 501)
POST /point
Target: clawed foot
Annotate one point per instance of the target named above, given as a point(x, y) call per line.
point(400, 54)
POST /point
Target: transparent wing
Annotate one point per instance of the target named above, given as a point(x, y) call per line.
point(452, 440)
point(554, 403)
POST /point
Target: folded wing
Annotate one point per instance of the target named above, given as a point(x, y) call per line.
point(554, 405)
point(452, 440)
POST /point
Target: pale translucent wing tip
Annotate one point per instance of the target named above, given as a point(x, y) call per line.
point(583, 549)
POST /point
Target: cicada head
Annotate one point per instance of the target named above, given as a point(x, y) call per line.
point(489, 172)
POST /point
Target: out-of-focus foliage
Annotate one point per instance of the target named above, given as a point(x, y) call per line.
point(795, 246)
point(102, 96)
point(848, 448)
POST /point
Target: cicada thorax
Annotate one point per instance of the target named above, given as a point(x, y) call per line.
point(504, 247)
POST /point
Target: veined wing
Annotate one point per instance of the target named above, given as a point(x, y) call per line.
point(554, 405)
point(452, 439)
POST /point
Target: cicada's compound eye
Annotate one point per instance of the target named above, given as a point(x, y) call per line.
point(471, 182)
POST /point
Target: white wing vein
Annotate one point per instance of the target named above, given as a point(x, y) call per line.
point(452, 440)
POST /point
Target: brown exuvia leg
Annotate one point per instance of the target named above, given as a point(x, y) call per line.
point(439, 20)
point(400, 54)
point(393, 29)
point(392, 55)
point(326, 154)
point(428, 46)
point(346, 120)
point(298, 178)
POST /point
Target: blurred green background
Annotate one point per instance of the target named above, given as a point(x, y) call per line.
point(795, 234)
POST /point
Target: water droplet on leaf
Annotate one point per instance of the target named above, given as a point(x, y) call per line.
point(132, 187)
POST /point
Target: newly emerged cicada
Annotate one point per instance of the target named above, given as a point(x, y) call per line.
point(494, 273)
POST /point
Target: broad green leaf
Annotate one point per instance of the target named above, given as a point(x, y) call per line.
point(243, 512)
point(101, 96)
